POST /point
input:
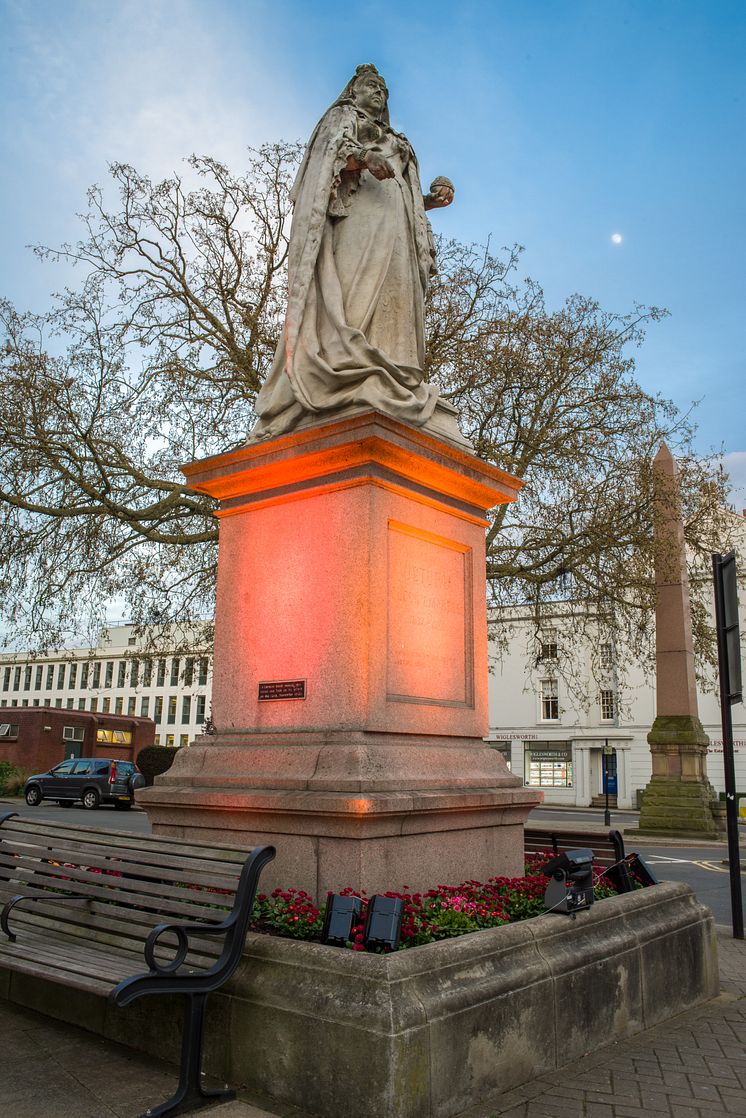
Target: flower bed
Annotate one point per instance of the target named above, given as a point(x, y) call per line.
point(439, 913)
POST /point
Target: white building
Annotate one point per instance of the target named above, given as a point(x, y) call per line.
point(118, 676)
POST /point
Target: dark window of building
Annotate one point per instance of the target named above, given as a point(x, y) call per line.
point(6, 679)
point(131, 704)
point(158, 708)
point(27, 678)
point(186, 708)
point(96, 680)
point(106, 704)
point(50, 677)
point(84, 675)
point(188, 671)
point(72, 679)
point(121, 673)
point(202, 672)
point(175, 672)
point(171, 710)
point(134, 673)
point(160, 675)
point(118, 704)
point(144, 706)
point(147, 673)
point(16, 678)
point(200, 708)
point(60, 677)
point(109, 673)
point(37, 678)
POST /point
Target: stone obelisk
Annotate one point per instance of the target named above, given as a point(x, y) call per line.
point(679, 799)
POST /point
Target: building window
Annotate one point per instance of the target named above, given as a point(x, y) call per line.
point(131, 704)
point(134, 674)
point(503, 748)
point(118, 704)
point(24, 702)
point(200, 708)
point(58, 702)
point(60, 677)
point(50, 677)
point(160, 674)
point(158, 708)
point(548, 764)
point(116, 737)
point(72, 678)
point(607, 702)
point(606, 656)
point(109, 673)
point(81, 704)
point(548, 645)
point(131, 641)
point(37, 678)
point(121, 673)
point(73, 733)
point(106, 704)
point(171, 719)
point(147, 673)
point(202, 672)
point(183, 740)
point(69, 704)
point(27, 678)
point(188, 671)
point(94, 704)
point(96, 679)
point(84, 675)
point(170, 741)
point(175, 672)
point(8, 731)
point(6, 679)
point(144, 706)
point(186, 708)
point(157, 739)
point(548, 700)
point(16, 678)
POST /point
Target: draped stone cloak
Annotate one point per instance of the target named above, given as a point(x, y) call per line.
point(359, 260)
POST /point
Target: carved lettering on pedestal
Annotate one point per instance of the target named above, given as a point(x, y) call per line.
point(429, 640)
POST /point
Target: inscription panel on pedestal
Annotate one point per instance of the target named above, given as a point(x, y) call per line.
point(429, 655)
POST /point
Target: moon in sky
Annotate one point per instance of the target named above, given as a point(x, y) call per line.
point(616, 238)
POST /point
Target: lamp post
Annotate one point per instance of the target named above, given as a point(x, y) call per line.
point(608, 750)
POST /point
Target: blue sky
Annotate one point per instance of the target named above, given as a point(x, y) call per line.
point(560, 122)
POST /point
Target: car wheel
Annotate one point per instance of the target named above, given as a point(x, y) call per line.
point(65, 803)
point(91, 799)
point(33, 796)
point(122, 806)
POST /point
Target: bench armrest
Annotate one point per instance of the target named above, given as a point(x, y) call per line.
point(14, 901)
point(182, 933)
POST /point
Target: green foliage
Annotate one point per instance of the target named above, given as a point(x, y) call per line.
point(154, 760)
point(12, 779)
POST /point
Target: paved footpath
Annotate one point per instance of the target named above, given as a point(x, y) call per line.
point(694, 1066)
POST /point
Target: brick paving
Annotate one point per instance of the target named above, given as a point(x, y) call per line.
point(693, 1066)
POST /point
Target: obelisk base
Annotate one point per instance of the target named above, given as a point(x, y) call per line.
point(679, 801)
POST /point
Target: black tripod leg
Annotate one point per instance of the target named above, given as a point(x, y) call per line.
point(190, 1094)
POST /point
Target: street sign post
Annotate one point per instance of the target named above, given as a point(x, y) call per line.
point(729, 670)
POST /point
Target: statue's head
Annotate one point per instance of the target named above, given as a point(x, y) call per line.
point(367, 91)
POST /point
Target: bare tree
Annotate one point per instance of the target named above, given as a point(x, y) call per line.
point(155, 358)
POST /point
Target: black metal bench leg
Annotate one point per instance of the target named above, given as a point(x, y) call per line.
point(191, 1095)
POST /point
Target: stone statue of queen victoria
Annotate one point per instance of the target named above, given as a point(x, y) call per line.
point(361, 254)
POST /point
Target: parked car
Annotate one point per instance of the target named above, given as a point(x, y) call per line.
point(92, 780)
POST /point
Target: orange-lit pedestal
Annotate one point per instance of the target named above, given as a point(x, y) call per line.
point(350, 672)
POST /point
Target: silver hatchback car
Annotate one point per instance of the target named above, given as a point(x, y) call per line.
point(91, 780)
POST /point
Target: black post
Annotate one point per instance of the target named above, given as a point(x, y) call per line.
point(607, 814)
point(731, 805)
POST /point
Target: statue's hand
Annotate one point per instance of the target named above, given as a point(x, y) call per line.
point(441, 193)
point(379, 167)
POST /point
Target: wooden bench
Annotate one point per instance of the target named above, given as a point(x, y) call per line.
point(607, 846)
point(86, 908)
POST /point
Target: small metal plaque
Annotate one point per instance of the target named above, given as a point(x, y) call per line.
point(277, 689)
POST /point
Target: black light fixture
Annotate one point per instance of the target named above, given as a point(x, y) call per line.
point(571, 887)
point(342, 914)
point(383, 922)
